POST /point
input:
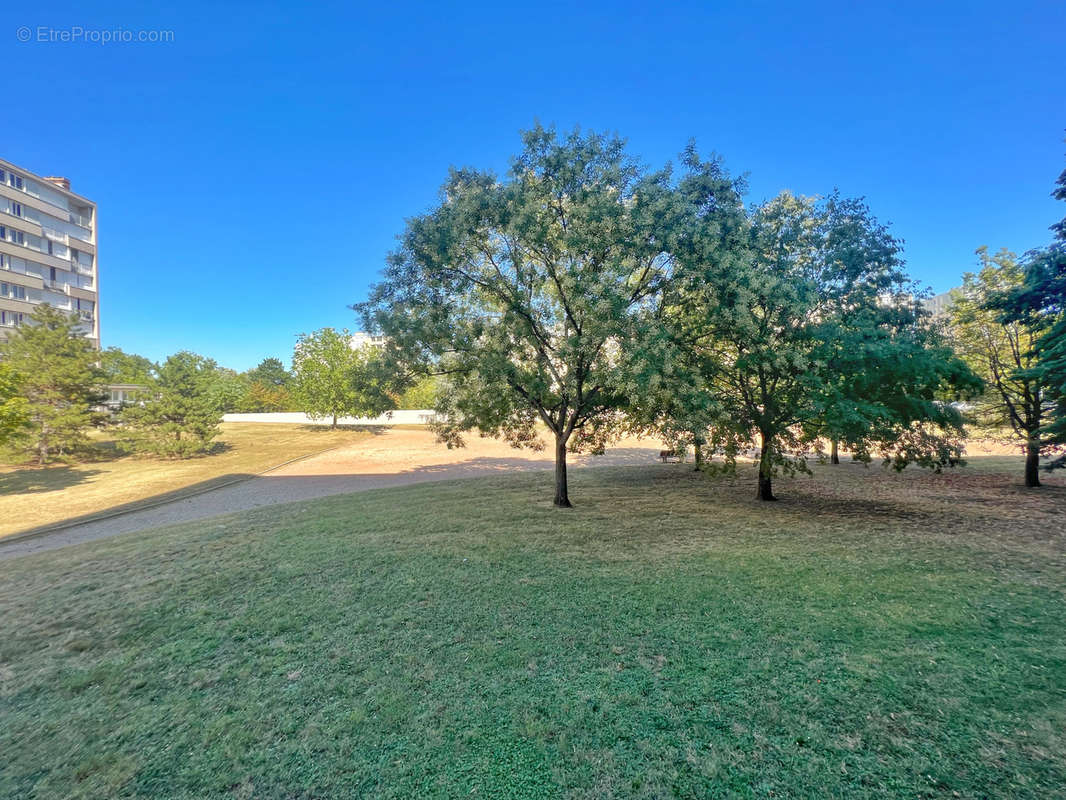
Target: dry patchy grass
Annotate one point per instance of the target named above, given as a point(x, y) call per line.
point(32, 497)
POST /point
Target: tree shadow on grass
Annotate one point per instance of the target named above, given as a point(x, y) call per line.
point(185, 493)
point(43, 479)
point(376, 430)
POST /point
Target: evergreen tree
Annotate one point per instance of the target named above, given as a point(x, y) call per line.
point(59, 381)
point(180, 414)
point(14, 411)
point(270, 372)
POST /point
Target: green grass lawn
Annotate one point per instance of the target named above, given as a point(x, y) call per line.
point(871, 635)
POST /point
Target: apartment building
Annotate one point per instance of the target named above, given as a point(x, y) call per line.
point(47, 250)
point(361, 339)
point(938, 305)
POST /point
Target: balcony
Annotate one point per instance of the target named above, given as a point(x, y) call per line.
point(54, 235)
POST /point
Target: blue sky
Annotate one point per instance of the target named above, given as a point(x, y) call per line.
point(252, 174)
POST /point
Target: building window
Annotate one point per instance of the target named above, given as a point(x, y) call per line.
point(15, 236)
point(5, 261)
point(14, 180)
point(50, 248)
point(13, 290)
point(16, 209)
point(52, 274)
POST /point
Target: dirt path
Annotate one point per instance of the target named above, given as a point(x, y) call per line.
point(392, 458)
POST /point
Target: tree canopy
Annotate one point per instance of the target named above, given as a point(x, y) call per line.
point(178, 416)
point(1040, 301)
point(269, 371)
point(533, 293)
point(121, 367)
point(1002, 352)
point(55, 370)
point(332, 379)
point(14, 409)
point(814, 330)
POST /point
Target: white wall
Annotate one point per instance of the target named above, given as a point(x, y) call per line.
point(407, 417)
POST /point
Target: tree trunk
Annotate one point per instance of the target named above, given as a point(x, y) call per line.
point(334, 425)
point(562, 498)
point(766, 491)
point(697, 447)
point(42, 447)
point(1032, 463)
point(834, 456)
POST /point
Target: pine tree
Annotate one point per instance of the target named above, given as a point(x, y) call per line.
point(59, 381)
point(13, 406)
point(179, 416)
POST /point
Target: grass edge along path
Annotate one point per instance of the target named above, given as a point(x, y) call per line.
point(64, 495)
point(173, 497)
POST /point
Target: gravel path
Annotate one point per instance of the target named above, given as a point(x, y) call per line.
point(393, 458)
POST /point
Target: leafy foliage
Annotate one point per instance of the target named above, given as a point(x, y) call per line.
point(265, 397)
point(14, 410)
point(180, 414)
point(121, 367)
point(1041, 301)
point(423, 394)
point(532, 293)
point(1003, 352)
point(815, 331)
point(270, 372)
point(59, 381)
point(266, 387)
point(332, 380)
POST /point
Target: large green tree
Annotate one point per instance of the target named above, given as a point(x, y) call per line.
point(331, 379)
point(1040, 301)
point(532, 293)
point(1003, 352)
point(121, 367)
point(179, 415)
point(815, 332)
point(59, 380)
